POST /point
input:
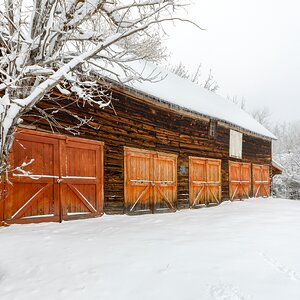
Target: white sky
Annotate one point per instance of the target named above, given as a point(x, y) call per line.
point(252, 47)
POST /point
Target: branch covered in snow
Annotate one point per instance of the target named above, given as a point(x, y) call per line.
point(55, 44)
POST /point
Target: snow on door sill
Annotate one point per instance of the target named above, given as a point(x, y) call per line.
point(38, 216)
point(78, 213)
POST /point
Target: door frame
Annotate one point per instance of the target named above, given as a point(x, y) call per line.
point(58, 217)
point(240, 183)
point(151, 182)
point(205, 183)
point(261, 183)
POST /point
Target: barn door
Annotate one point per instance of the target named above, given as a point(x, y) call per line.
point(63, 180)
point(204, 181)
point(261, 180)
point(239, 180)
point(81, 179)
point(33, 193)
point(150, 181)
point(164, 181)
point(213, 181)
point(138, 179)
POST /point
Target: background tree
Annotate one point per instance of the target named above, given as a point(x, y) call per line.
point(262, 115)
point(46, 44)
point(209, 83)
point(286, 151)
point(241, 102)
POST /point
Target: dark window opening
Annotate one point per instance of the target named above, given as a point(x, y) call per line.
point(213, 128)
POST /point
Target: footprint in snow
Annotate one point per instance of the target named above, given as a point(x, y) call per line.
point(227, 292)
point(293, 275)
point(165, 269)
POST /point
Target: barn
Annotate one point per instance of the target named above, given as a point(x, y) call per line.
point(159, 147)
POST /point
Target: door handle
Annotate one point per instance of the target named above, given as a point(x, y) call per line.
point(59, 180)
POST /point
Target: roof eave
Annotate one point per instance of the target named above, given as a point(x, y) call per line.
point(180, 108)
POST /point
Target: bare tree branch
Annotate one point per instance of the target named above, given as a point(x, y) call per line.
point(55, 44)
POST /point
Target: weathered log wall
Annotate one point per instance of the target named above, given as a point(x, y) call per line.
point(148, 125)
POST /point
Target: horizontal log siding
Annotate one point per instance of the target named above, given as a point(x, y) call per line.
point(144, 125)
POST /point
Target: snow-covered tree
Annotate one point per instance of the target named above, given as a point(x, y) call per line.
point(286, 151)
point(47, 44)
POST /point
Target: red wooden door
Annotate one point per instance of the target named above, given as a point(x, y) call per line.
point(42, 192)
point(261, 180)
point(239, 180)
point(33, 193)
point(150, 181)
point(204, 181)
point(81, 179)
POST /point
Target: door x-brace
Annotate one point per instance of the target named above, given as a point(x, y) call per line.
point(206, 186)
point(240, 184)
point(154, 184)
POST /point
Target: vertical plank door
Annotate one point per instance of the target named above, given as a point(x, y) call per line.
point(64, 179)
point(138, 178)
point(197, 181)
point(33, 192)
point(81, 178)
point(214, 188)
point(204, 181)
point(164, 182)
point(261, 180)
point(239, 180)
point(150, 181)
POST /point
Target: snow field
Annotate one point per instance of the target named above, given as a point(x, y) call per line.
point(237, 250)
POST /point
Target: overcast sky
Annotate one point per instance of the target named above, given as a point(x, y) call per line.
point(252, 47)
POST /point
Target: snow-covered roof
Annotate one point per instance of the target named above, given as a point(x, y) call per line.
point(277, 165)
point(184, 93)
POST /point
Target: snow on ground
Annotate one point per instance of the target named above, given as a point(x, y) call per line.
point(240, 251)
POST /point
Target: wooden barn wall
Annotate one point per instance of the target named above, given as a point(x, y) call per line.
point(147, 126)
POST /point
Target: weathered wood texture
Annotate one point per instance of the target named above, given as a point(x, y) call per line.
point(204, 181)
point(239, 180)
point(261, 180)
point(149, 125)
point(276, 170)
point(150, 181)
point(64, 179)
